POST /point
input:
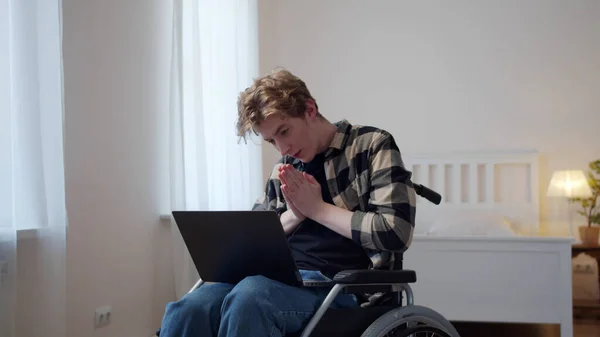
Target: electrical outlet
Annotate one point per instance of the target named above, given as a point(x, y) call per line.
point(103, 316)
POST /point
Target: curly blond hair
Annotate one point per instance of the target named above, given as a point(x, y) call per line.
point(279, 92)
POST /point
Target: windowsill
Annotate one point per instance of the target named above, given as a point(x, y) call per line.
point(38, 233)
point(32, 233)
point(23, 234)
point(27, 234)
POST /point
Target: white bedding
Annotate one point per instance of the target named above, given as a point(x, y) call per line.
point(461, 223)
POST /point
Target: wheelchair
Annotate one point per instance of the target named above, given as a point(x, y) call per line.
point(381, 294)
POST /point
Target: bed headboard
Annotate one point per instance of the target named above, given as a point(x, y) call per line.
point(505, 182)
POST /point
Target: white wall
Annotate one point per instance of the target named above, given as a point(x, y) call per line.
point(449, 75)
point(116, 64)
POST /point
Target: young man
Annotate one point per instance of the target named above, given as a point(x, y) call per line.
point(345, 201)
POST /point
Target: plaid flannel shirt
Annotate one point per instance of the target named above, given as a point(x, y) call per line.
point(366, 175)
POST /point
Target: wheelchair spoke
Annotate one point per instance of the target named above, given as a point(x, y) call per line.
point(421, 331)
point(413, 320)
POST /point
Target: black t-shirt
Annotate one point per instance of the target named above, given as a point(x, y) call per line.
point(316, 247)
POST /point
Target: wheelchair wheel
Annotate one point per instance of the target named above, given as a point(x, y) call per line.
point(409, 317)
point(422, 331)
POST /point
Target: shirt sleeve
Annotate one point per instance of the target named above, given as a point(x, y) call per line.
point(272, 197)
point(389, 223)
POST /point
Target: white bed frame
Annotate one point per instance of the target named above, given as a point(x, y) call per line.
point(522, 279)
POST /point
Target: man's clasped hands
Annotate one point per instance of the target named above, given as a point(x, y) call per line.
point(301, 191)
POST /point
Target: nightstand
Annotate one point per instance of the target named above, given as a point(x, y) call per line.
point(587, 307)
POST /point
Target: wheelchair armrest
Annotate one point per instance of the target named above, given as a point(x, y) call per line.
point(375, 277)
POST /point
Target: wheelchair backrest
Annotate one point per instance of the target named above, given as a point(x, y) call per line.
point(398, 261)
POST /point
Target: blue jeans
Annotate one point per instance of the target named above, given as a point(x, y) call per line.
point(256, 306)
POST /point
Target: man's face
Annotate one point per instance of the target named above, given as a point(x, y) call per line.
point(290, 136)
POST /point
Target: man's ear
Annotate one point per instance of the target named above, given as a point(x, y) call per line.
point(311, 109)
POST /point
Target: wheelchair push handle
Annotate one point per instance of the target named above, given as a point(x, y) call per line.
point(428, 193)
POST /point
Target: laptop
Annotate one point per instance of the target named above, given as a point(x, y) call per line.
point(227, 246)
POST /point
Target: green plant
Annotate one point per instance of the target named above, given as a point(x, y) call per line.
point(590, 211)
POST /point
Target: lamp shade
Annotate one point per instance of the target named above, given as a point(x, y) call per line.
point(570, 184)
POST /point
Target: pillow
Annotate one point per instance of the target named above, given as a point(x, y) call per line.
point(422, 226)
point(519, 228)
point(470, 223)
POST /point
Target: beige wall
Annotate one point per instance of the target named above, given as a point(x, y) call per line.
point(116, 56)
point(41, 291)
point(474, 75)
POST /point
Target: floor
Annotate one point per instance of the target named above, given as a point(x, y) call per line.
point(581, 328)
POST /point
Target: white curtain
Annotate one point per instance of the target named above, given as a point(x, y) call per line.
point(32, 196)
point(215, 56)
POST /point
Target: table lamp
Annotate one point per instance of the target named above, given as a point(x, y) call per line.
point(569, 184)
